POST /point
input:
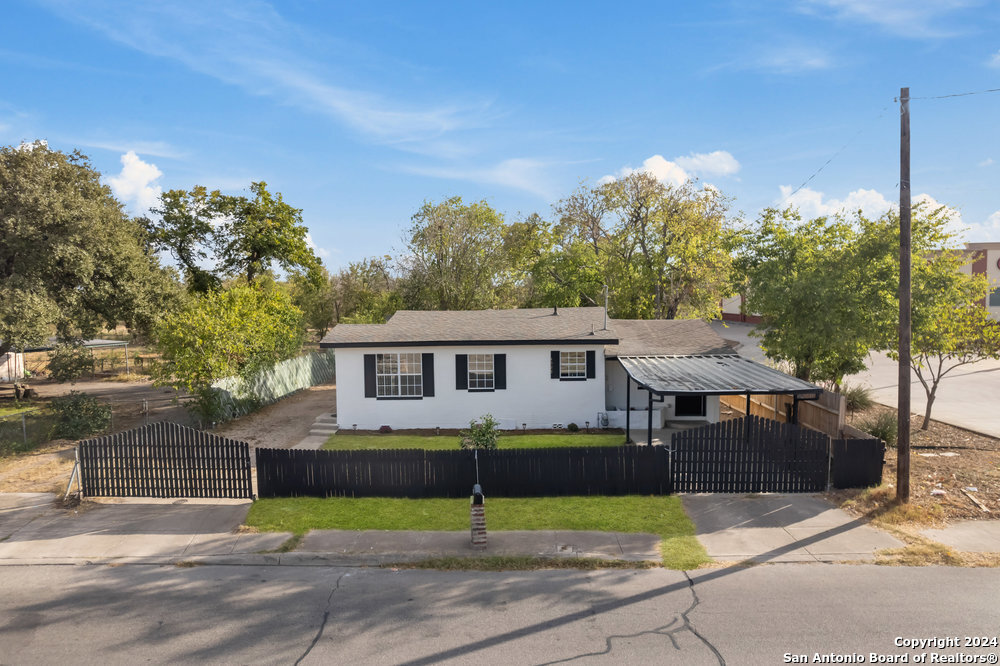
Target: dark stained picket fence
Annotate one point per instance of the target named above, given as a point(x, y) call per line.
point(418, 473)
point(750, 455)
point(857, 463)
point(165, 460)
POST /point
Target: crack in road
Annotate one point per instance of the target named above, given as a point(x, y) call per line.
point(690, 627)
point(664, 630)
point(326, 616)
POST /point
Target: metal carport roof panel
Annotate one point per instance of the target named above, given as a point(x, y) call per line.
point(716, 374)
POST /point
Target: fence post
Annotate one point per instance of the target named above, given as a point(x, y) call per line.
point(24, 430)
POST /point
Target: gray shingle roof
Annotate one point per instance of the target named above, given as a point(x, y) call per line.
point(532, 326)
point(643, 337)
point(519, 326)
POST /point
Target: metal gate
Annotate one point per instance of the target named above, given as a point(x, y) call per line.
point(750, 455)
point(165, 460)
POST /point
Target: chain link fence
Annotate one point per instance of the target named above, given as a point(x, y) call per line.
point(239, 398)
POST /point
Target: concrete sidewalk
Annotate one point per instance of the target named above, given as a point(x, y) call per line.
point(34, 530)
point(781, 528)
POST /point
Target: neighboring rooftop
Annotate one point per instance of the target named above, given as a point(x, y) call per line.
point(532, 326)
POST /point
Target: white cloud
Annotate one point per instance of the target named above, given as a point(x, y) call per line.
point(994, 60)
point(871, 203)
point(987, 162)
point(715, 163)
point(135, 184)
point(908, 18)
point(320, 252)
point(520, 173)
point(681, 169)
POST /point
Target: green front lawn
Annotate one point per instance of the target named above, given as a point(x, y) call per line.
point(349, 441)
point(662, 515)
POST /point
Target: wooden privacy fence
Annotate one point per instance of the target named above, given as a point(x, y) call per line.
point(750, 455)
point(165, 460)
point(418, 473)
point(826, 414)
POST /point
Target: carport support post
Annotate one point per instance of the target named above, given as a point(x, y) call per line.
point(746, 423)
point(649, 433)
point(628, 408)
point(795, 409)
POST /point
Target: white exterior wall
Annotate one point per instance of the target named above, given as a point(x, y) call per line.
point(11, 366)
point(532, 397)
point(615, 398)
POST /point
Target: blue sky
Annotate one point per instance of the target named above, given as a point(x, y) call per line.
point(359, 112)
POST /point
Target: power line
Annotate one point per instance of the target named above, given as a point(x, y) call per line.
point(965, 94)
point(833, 157)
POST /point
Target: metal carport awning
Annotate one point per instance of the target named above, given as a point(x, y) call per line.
point(716, 374)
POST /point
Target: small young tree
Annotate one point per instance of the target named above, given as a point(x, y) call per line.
point(950, 325)
point(483, 434)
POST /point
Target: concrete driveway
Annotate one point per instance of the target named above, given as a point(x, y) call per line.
point(33, 528)
point(781, 528)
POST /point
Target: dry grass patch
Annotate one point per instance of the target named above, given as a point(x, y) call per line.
point(519, 563)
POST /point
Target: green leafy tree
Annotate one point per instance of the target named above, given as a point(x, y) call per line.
point(664, 251)
point(366, 292)
point(184, 227)
point(950, 326)
point(69, 362)
point(71, 261)
point(315, 299)
point(455, 259)
point(234, 333)
point(80, 415)
point(807, 282)
point(246, 236)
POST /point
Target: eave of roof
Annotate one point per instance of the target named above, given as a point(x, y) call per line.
point(471, 343)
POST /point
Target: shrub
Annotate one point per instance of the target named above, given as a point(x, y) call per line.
point(481, 435)
point(79, 415)
point(858, 398)
point(882, 426)
point(69, 362)
point(572, 427)
point(385, 430)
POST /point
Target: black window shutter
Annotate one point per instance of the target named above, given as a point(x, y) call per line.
point(370, 391)
point(555, 365)
point(500, 371)
point(461, 372)
point(591, 364)
point(427, 367)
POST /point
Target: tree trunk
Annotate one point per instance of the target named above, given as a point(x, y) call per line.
point(930, 403)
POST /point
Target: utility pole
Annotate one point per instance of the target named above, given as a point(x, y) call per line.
point(903, 402)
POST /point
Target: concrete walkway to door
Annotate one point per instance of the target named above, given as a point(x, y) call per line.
point(781, 528)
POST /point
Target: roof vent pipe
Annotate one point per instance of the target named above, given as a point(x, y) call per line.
point(605, 308)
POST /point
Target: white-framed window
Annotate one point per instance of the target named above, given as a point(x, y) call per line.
point(481, 375)
point(398, 375)
point(573, 365)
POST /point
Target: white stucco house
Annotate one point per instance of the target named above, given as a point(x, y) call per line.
point(538, 368)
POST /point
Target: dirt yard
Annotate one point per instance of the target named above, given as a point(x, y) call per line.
point(47, 469)
point(963, 464)
point(286, 422)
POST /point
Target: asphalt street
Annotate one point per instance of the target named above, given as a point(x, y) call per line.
point(321, 615)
